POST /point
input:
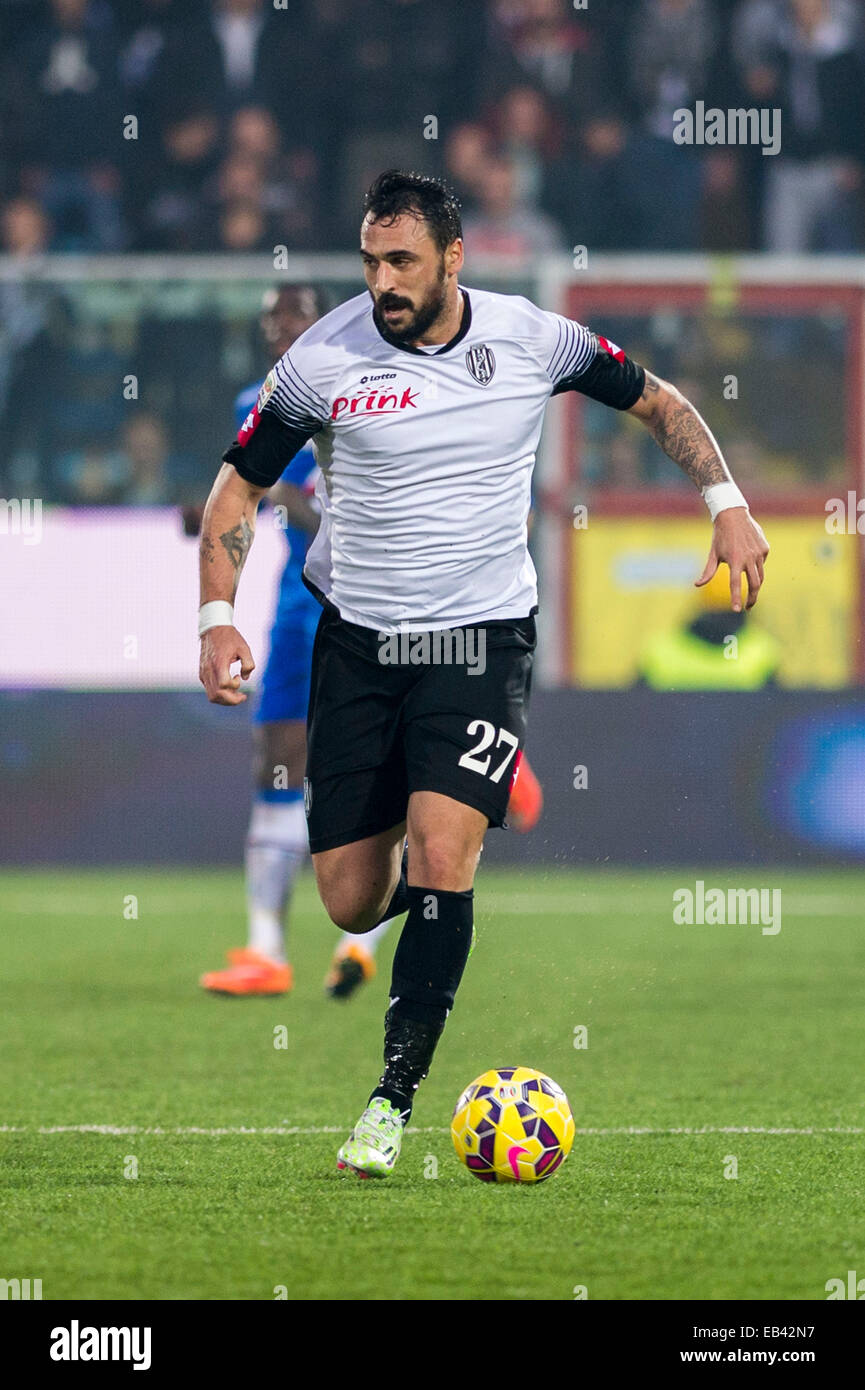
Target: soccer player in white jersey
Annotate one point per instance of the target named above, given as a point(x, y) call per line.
point(424, 401)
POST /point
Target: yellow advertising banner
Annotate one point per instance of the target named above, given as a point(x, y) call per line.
point(632, 581)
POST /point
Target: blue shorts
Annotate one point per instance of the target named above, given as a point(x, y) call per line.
point(285, 683)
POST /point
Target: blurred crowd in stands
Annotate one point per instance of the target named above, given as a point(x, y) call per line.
point(241, 125)
point(259, 122)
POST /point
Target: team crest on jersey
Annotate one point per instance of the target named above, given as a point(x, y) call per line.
point(481, 363)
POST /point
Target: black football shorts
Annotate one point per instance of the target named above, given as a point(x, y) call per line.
point(420, 711)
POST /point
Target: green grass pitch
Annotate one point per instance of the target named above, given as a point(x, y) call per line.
point(711, 1049)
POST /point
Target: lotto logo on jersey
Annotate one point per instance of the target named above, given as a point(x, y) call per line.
point(375, 403)
point(612, 348)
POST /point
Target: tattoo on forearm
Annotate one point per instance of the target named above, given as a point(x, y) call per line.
point(208, 549)
point(237, 542)
point(651, 387)
point(686, 439)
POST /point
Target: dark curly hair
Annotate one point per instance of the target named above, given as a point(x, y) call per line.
point(395, 193)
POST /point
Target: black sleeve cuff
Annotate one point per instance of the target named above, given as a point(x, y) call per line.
point(607, 379)
point(268, 450)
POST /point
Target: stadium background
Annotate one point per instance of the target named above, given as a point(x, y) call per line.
point(154, 155)
point(159, 1143)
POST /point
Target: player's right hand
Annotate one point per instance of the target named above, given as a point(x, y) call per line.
point(221, 648)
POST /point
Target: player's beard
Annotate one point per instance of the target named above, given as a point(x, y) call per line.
point(423, 318)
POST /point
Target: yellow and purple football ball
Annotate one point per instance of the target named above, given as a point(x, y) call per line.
point(513, 1125)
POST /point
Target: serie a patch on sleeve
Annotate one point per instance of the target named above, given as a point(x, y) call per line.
point(268, 386)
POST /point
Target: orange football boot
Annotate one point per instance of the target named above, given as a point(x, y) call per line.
point(249, 973)
point(527, 799)
point(352, 965)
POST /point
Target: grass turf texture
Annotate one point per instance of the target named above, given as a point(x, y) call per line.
point(688, 1026)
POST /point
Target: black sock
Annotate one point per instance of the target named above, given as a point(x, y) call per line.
point(427, 968)
point(399, 903)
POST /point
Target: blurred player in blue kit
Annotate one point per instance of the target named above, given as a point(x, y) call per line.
point(277, 843)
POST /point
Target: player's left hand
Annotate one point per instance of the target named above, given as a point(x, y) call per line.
point(737, 541)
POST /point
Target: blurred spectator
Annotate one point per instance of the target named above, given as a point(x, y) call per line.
point(503, 226)
point(91, 476)
point(379, 49)
point(713, 648)
point(28, 310)
point(672, 47)
point(146, 25)
point(673, 62)
point(588, 189)
point(557, 50)
point(246, 53)
point(528, 133)
point(243, 227)
point(140, 471)
point(468, 148)
point(150, 471)
point(807, 64)
point(756, 26)
point(726, 212)
point(24, 227)
point(240, 181)
point(148, 28)
point(400, 75)
point(285, 187)
point(173, 215)
point(64, 114)
point(260, 126)
point(87, 405)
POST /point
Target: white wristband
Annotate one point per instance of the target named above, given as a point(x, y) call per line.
point(218, 613)
point(720, 497)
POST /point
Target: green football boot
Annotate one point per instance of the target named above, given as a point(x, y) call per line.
point(372, 1148)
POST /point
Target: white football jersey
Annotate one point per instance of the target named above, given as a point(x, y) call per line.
point(426, 456)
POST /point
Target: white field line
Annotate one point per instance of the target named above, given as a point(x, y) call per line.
point(637, 906)
point(490, 901)
point(290, 1130)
